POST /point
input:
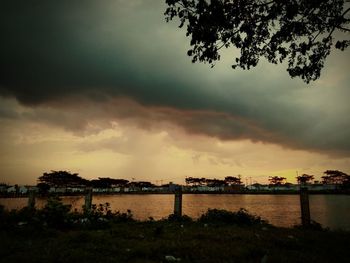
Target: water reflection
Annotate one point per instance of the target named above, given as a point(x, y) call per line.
point(281, 210)
point(331, 210)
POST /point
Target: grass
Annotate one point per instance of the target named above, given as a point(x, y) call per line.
point(191, 242)
point(56, 235)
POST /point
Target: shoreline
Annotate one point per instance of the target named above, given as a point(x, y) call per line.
point(184, 193)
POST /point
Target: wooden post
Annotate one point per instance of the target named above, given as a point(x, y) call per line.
point(178, 202)
point(31, 199)
point(304, 206)
point(88, 200)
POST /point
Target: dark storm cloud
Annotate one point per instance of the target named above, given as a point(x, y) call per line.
point(101, 50)
point(57, 48)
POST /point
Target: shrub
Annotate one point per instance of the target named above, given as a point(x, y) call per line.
point(313, 226)
point(2, 212)
point(55, 213)
point(20, 217)
point(180, 219)
point(241, 217)
point(97, 211)
point(122, 217)
point(102, 213)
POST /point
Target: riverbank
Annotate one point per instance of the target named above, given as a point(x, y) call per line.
point(277, 192)
point(164, 241)
point(56, 234)
point(281, 210)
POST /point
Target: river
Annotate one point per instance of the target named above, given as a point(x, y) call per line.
point(281, 210)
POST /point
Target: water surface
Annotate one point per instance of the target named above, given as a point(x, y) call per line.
point(281, 210)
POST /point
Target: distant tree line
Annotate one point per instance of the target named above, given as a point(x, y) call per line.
point(277, 180)
point(330, 177)
point(336, 177)
point(68, 179)
point(229, 180)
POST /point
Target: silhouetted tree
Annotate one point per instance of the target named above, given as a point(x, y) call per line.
point(120, 182)
point(300, 32)
point(305, 178)
point(335, 177)
point(43, 188)
point(106, 182)
point(276, 180)
point(214, 182)
point(232, 180)
point(62, 179)
point(16, 189)
point(141, 184)
point(190, 180)
point(346, 182)
point(97, 183)
point(195, 181)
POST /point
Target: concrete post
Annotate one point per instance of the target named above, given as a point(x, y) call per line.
point(178, 202)
point(88, 200)
point(304, 206)
point(31, 199)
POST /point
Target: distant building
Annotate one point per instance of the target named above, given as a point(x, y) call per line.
point(206, 188)
point(11, 189)
point(75, 190)
point(116, 189)
point(3, 188)
point(23, 190)
point(259, 187)
point(100, 190)
point(324, 187)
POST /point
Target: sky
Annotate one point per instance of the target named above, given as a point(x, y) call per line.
point(106, 89)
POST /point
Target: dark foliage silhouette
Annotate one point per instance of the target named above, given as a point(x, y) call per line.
point(195, 181)
point(304, 178)
point(241, 217)
point(300, 32)
point(232, 180)
point(43, 188)
point(62, 179)
point(108, 182)
point(336, 177)
point(276, 180)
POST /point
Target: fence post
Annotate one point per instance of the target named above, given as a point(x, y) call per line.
point(178, 202)
point(304, 206)
point(88, 200)
point(31, 199)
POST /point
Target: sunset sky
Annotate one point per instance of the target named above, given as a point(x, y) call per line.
point(106, 89)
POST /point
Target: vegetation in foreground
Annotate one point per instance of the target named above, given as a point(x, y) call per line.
point(54, 234)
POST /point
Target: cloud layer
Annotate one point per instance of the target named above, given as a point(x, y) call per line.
point(80, 62)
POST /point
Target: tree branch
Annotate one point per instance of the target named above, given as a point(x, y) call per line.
point(343, 28)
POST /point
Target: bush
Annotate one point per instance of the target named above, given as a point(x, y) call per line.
point(101, 214)
point(3, 217)
point(122, 217)
point(20, 217)
point(97, 211)
point(55, 213)
point(241, 217)
point(2, 212)
point(180, 219)
point(313, 226)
